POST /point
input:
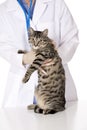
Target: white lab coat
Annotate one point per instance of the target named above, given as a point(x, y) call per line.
point(51, 14)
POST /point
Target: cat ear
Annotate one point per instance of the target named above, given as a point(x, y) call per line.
point(30, 31)
point(45, 32)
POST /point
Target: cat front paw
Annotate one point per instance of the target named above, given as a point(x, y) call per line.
point(25, 80)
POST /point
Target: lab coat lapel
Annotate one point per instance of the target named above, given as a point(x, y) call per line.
point(14, 7)
point(11, 5)
point(40, 7)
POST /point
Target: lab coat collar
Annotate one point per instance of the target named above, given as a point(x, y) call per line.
point(46, 1)
point(12, 5)
point(40, 7)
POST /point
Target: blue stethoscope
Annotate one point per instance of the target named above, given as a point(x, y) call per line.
point(27, 14)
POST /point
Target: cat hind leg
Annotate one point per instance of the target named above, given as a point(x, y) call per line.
point(53, 111)
point(49, 111)
point(37, 109)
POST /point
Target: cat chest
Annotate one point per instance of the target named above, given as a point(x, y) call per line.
point(50, 72)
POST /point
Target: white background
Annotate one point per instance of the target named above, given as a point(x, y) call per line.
point(78, 65)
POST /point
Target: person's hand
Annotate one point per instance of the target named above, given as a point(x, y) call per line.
point(47, 62)
point(28, 58)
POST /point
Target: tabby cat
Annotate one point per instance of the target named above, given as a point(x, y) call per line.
point(50, 92)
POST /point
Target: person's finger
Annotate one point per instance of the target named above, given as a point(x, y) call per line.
point(42, 70)
point(48, 63)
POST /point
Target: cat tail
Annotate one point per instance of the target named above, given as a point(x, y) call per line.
point(31, 107)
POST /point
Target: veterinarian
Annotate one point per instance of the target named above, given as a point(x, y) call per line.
point(15, 19)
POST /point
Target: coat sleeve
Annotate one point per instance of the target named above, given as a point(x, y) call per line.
point(68, 34)
point(8, 45)
point(8, 51)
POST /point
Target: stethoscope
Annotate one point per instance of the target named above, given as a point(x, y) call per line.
point(27, 14)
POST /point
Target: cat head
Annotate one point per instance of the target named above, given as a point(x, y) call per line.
point(37, 39)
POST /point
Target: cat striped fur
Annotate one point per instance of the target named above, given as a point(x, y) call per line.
point(50, 92)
